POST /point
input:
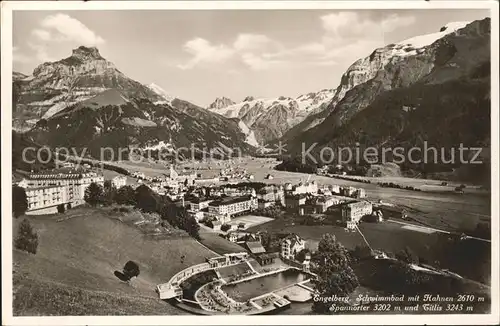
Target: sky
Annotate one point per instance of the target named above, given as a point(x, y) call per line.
point(199, 55)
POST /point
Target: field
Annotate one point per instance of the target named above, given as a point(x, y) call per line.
point(73, 269)
point(218, 244)
point(250, 220)
point(393, 237)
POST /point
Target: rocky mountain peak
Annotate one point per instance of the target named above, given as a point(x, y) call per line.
point(221, 103)
point(249, 98)
point(86, 53)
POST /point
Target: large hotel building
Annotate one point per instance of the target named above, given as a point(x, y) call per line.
point(47, 190)
point(232, 205)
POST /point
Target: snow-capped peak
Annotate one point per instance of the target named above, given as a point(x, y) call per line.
point(160, 91)
point(427, 39)
point(220, 103)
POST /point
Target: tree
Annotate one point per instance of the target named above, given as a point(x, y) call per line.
point(335, 275)
point(109, 192)
point(301, 255)
point(179, 217)
point(361, 252)
point(93, 194)
point(225, 227)
point(19, 201)
point(407, 256)
point(131, 269)
point(61, 209)
point(270, 241)
point(146, 200)
point(27, 238)
point(125, 196)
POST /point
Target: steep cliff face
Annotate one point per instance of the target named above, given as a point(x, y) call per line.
point(269, 119)
point(54, 86)
point(452, 53)
point(395, 65)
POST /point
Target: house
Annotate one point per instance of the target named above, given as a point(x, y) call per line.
point(119, 181)
point(233, 236)
point(255, 247)
point(354, 211)
point(266, 258)
point(360, 193)
point(216, 225)
point(272, 194)
point(348, 191)
point(305, 188)
point(292, 245)
point(306, 264)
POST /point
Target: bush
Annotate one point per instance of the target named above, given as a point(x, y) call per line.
point(27, 238)
point(19, 201)
point(225, 227)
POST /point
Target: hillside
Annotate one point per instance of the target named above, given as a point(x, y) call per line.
point(72, 272)
point(438, 93)
point(84, 101)
point(96, 124)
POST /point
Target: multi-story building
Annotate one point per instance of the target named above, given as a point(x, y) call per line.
point(272, 194)
point(305, 188)
point(293, 202)
point(44, 200)
point(324, 202)
point(232, 206)
point(354, 211)
point(119, 181)
point(291, 246)
point(360, 193)
point(200, 203)
point(69, 189)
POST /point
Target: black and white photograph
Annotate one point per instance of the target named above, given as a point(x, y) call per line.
point(311, 161)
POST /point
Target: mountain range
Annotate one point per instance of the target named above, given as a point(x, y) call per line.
point(85, 101)
point(269, 119)
point(433, 87)
point(411, 71)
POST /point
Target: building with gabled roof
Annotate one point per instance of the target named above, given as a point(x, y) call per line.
point(292, 245)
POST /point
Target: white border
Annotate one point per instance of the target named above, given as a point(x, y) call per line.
point(6, 142)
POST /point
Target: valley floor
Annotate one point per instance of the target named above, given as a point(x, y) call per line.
point(436, 205)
